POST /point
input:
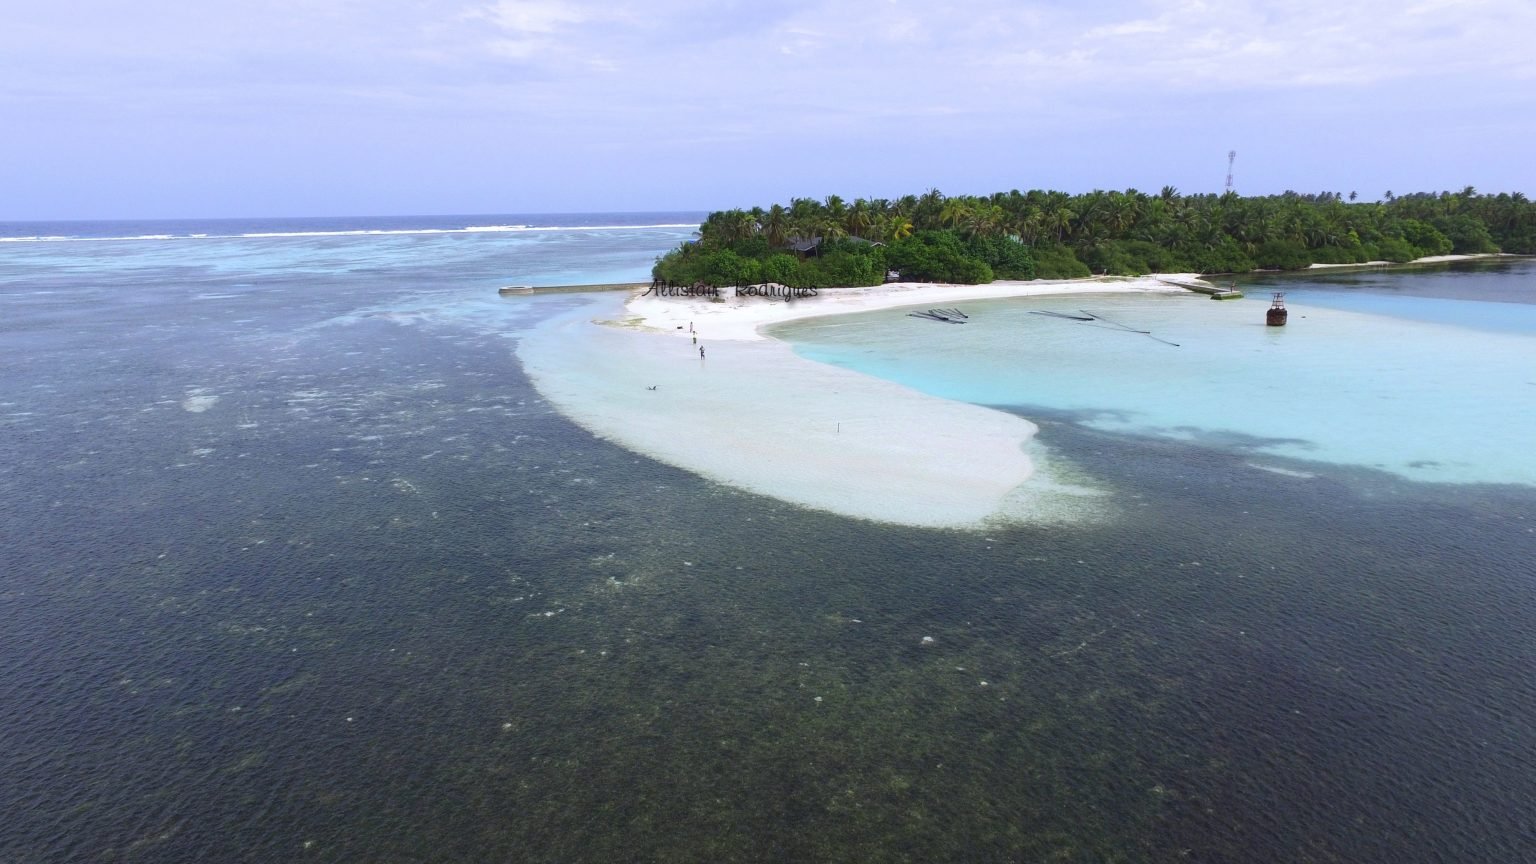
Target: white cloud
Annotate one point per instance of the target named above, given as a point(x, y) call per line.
point(528, 17)
point(523, 29)
point(749, 65)
point(1129, 28)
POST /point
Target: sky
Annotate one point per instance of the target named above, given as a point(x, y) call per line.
point(154, 108)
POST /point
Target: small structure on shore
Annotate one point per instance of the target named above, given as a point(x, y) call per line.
point(1276, 315)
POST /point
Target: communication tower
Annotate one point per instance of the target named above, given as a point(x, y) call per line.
point(1231, 157)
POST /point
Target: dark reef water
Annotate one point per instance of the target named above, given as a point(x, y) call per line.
point(295, 565)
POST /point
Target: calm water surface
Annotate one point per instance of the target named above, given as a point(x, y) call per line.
point(295, 565)
point(1430, 388)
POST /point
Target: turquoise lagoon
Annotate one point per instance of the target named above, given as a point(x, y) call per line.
point(1426, 388)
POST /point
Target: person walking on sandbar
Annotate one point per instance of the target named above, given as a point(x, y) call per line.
point(701, 352)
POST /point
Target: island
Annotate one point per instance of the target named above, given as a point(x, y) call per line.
point(1053, 235)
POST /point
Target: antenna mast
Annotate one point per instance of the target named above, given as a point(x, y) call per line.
point(1231, 157)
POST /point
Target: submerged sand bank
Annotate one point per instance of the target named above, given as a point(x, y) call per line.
point(752, 414)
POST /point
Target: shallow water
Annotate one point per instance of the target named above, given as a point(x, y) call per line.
point(313, 572)
point(1430, 389)
point(755, 417)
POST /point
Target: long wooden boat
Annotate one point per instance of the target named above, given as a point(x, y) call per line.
point(1206, 288)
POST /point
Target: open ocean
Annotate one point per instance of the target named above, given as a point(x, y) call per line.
point(296, 565)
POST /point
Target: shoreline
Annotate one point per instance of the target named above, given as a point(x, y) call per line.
point(753, 415)
point(742, 319)
point(954, 290)
point(1383, 265)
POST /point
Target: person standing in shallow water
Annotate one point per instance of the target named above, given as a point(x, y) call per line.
point(701, 352)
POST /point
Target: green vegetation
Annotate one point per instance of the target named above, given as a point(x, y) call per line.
point(1053, 235)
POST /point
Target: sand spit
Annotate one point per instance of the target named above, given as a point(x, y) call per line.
point(752, 414)
point(1432, 259)
point(741, 318)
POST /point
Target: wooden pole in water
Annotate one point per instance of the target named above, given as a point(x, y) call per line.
point(1276, 315)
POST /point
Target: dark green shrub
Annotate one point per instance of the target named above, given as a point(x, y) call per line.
point(1225, 257)
point(1394, 249)
point(1054, 261)
point(1008, 258)
point(1468, 236)
point(936, 256)
point(1425, 238)
point(1282, 255)
point(779, 267)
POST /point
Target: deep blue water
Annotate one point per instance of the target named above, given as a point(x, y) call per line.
point(295, 565)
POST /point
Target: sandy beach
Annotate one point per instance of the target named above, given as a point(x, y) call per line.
point(750, 413)
point(743, 318)
point(1430, 259)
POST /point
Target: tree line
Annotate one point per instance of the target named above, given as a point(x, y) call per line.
point(1052, 235)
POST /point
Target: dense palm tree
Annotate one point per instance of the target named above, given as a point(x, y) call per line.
point(727, 228)
point(859, 219)
point(1063, 219)
point(805, 217)
point(1028, 226)
point(926, 212)
point(1121, 213)
point(776, 226)
point(1100, 226)
point(896, 227)
point(954, 213)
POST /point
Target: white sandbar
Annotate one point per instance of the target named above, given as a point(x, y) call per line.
point(752, 414)
point(1429, 259)
point(743, 317)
